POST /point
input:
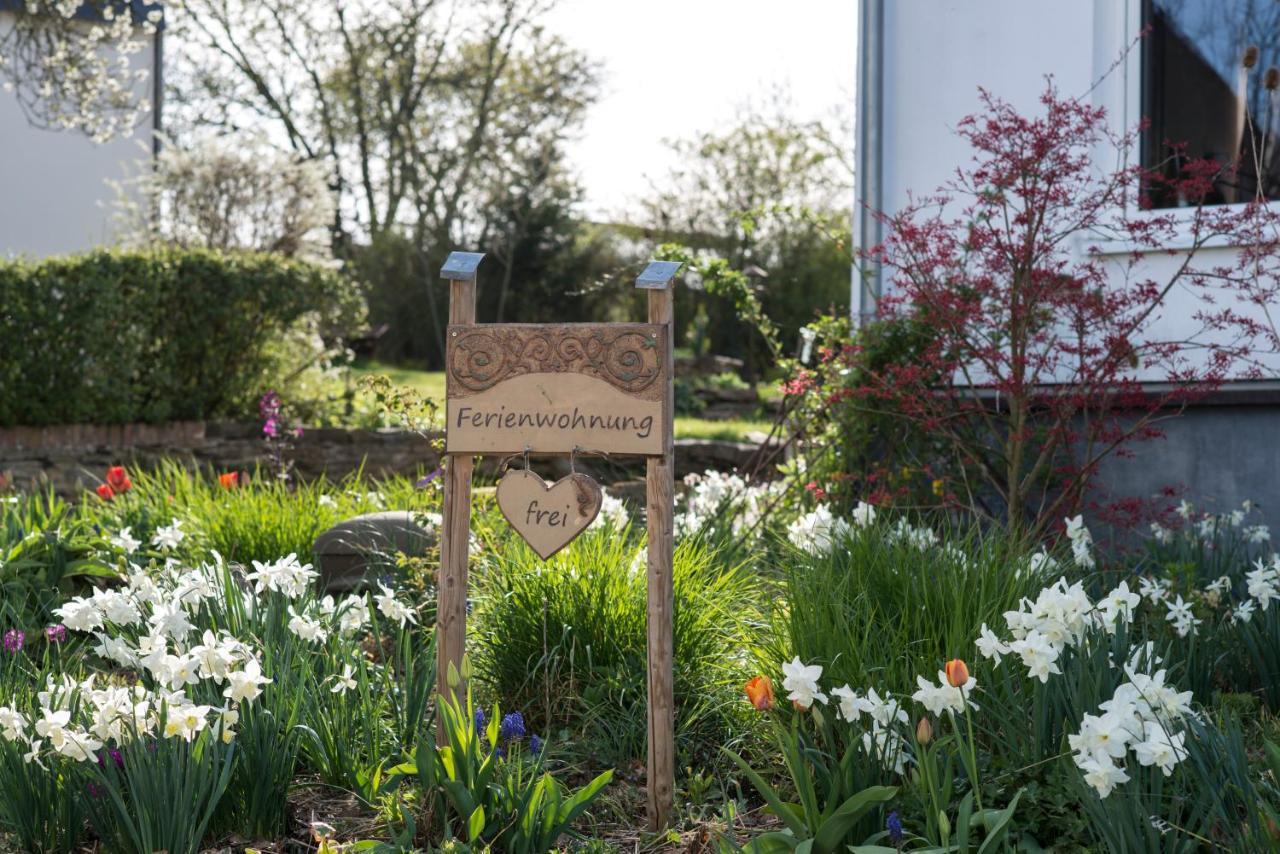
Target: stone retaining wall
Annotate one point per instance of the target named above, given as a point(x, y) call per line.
point(72, 458)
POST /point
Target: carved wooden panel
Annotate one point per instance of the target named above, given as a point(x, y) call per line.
point(555, 388)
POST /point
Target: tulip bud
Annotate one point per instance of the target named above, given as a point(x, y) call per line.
point(1250, 56)
point(957, 673)
point(924, 731)
point(760, 692)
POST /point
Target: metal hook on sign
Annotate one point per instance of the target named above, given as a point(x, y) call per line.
point(573, 459)
point(526, 457)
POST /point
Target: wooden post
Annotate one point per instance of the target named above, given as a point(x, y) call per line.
point(660, 505)
point(451, 585)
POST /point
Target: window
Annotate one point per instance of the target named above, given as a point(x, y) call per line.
point(1204, 103)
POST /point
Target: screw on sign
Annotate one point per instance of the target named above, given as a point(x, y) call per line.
point(555, 389)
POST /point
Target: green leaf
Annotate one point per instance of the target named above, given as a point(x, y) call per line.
point(1001, 826)
point(475, 824)
point(775, 842)
point(833, 831)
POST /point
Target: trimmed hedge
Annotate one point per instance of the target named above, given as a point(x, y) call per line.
point(155, 335)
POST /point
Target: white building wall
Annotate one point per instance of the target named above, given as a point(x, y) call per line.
point(54, 195)
point(937, 54)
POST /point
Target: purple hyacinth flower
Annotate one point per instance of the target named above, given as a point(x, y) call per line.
point(56, 633)
point(14, 640)
point(536, 744)
point(481, 720)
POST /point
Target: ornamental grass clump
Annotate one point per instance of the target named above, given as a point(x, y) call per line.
point(565, 640)
point(877, 601)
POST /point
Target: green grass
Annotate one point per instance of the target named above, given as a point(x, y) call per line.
point(431, 384)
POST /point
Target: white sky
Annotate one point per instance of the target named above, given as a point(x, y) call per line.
point(676, 67)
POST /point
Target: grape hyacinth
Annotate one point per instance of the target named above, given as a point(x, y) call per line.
point(481, 720)
point(512, 727)
point(893, 824)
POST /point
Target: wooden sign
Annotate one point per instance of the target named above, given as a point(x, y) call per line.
point(557, 388)
point(548, 515)
point(561, 389)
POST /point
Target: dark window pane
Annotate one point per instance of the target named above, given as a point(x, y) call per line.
point(1203, 104)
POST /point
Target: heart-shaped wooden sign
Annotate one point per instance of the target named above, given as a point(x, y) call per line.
point(548, 515)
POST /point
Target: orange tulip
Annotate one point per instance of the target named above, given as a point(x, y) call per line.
point(118, 479)
point(760, 693)
point(105, 492)
point(957, 673)
point(229, 480)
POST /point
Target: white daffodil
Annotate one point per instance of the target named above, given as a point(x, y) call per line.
point(801, 680)
point(125, 541)
point(169, 536)
point(344, 683)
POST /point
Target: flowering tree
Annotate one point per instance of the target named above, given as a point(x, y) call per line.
point(70, 63)
point(1039, 347)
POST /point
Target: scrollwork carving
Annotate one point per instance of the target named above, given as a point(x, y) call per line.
point(627, 356)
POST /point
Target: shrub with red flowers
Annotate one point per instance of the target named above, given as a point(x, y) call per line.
point(1041, 340)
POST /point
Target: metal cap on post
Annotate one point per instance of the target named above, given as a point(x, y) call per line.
point(660, 506)
point(658, 274)
point(461, 265)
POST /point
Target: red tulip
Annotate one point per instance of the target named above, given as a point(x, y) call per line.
point(229, 480)
point(105, 492)
point(118, 479)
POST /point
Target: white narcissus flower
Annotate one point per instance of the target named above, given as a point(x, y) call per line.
point(883, 711)
point(864, 514)
point(801, 680)
point(12, 724)
point(1181, 616)
point(1103, 775)
point(244, 686)
point(943, 697)
point(1153, 589)
point(392, 609)
point(116, 607)
point(353, 614)
point(817, 532)
point(125, 541)
point(850, 708)
point(1263, 583)
point(1038, 655)
point(79, 615)
point(1243, 612)
point(1159, 747)
point(1118, 605)
point(33, 755)
point(186, 722)
point(170, 536)
point(1102, 735)
point(213, 657)
point(306, 628)
point(990, 646)
point(346, 682)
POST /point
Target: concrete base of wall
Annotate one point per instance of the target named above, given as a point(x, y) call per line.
point(1218, 455)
